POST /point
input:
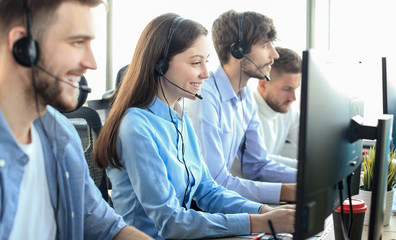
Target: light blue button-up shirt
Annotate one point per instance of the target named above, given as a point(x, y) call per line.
point(220, 121)
point(82, 212)
point(148, 192)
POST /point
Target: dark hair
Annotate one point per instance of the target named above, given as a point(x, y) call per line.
point(140, 84)
point(12, 13)
point(256, 27)
point(288, 62)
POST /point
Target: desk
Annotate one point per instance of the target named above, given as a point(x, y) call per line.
point(388, 232)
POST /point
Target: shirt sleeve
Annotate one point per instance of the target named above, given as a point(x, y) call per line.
point(149, 174)
point(206, 116)
point(100, 220)
point(215, 198)
point(256, 162)
point(291, 162)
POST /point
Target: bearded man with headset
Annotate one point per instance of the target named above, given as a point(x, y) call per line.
point(45, 188)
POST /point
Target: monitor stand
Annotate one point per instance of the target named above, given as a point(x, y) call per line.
point(382, 133)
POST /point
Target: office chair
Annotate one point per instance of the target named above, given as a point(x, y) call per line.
point(102, 106)
point(119, 78)
point(87, 122)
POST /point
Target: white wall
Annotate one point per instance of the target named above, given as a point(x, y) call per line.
point(365, 30)
point(361, 28)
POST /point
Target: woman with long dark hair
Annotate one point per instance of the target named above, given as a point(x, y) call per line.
point(152, 154)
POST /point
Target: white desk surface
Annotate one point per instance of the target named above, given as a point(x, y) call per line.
point(388, 232)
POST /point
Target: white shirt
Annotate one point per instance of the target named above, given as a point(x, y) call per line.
point(277, 129)
point(35, 217)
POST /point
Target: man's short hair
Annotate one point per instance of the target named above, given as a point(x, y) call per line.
point(12, 13)
point(225, 31)
point(288, 62)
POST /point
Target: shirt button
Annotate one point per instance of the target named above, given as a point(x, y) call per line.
point(2, 163)
point(67, 174)
point(72, 214)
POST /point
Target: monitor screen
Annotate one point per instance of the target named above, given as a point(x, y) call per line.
point(326, 155)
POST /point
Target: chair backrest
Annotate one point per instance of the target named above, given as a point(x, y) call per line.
point(88, 124)
point(102, 106)
point(121, 75)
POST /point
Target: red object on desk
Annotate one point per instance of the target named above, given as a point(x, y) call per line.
point(258, 237)
point(358, 206)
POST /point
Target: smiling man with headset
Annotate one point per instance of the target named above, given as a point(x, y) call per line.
point(226, 119)
point(45, 188)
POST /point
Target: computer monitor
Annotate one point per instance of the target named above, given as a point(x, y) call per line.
point(326, 155)
point(389, 93)
point(330, 146)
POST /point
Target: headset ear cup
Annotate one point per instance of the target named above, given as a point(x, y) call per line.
point(237, 51)
point(161, 67)
point(26, 52)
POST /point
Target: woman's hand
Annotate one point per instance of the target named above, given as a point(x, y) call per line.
point(282, 219)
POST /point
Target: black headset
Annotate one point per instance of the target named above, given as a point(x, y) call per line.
point(238, 49)
point(161, 67)
point(26, 50)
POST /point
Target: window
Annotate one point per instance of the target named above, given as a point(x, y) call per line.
point(130, 18)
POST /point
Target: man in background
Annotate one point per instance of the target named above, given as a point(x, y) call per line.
point(276, 111)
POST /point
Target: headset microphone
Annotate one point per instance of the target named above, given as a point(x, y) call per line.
point(265, 75)
point(195, 94)
point(83, 88)
point(162, 65)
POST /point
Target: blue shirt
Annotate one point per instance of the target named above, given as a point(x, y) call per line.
point(221, 120)
point(82, 212)
point(148, 192)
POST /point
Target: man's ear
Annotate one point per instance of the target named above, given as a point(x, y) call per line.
point(15, 34)
point(262, 87)
point(262, 84)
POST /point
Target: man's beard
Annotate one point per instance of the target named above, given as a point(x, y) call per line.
point(276, 106)
point(49, 90)
point(250, 70)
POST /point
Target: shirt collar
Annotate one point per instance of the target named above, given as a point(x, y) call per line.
point(54, 130)
point(4, 128)
point(5, 137)
point(224, 86)
point(48, 120)
point(161, 109)
point(54, 125)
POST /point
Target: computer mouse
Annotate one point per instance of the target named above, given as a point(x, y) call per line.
point(282, 236)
